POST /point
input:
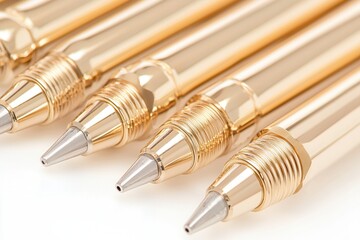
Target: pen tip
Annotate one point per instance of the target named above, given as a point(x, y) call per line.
point(73, 143)
point(5, 120)
point(144, 170)
point(212, 209)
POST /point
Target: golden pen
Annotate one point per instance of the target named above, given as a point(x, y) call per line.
point(230, 112)
point(139, 98)
point(275, 165)
point(27, 27)
point(62, 80)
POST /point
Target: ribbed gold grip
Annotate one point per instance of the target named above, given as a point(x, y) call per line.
point(129, 104)
point(205, 127)
point(60, 80)
point(276, 164)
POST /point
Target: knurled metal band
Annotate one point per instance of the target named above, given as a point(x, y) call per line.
point(276, 164)
point(206, 129)
point(129, 104)
point(61, 81)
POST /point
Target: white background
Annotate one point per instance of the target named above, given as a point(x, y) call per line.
point(78, 200)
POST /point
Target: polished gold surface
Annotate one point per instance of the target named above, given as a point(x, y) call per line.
point(62, 92)
point(27, 104)
point(73, 70)
point(145, 94)
point(231, 112)
point(275, 164)
point(26, 27)
point(257, 170)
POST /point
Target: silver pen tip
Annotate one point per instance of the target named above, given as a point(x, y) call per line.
point(212, 209)
point(73, 143)
point(144, 170)
point(6, 123)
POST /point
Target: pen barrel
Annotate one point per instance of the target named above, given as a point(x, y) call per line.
point(17, 49)
point(137, 27)
point(233, 35)
point(50, 20)
point(31, 25)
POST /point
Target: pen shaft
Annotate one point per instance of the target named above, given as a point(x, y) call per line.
point(49, 20)
point(132, 30)
point(230, 42)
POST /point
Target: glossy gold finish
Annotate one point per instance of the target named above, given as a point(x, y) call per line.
point(275, 164)
point(142, 96)
point(231, 112)
point(73, 70)
point(28, 26)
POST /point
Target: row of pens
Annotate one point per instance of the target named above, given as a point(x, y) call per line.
point(289, 110)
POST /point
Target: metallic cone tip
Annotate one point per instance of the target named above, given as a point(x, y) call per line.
point(72, 144)
point(144, 170)
point(212, 209)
